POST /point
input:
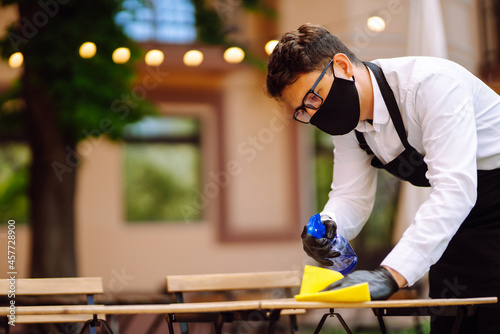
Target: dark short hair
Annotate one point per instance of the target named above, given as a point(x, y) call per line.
point(306, 49)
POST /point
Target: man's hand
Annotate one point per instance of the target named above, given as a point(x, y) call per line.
point(321, 249)
point(380, 282)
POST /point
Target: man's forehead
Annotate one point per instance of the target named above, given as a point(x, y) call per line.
point(294, 93)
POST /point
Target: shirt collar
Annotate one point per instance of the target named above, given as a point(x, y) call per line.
point(380, 112)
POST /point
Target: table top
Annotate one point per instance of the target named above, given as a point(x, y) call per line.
point(233, 306)
point(136, 309)
point(397, 303)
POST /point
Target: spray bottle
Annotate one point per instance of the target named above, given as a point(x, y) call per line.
point(347, 260)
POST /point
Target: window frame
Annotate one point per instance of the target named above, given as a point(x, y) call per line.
point(204, 112)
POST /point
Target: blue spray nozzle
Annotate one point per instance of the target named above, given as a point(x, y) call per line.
point(346, 262)
point(315, 227)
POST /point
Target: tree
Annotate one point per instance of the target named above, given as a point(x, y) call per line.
point(65, 99)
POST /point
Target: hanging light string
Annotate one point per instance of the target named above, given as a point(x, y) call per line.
point(192, 58)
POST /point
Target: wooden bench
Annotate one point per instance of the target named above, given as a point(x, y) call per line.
point(43, 287)
point(281, 283)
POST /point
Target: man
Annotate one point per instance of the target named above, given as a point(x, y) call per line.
point(426, 120)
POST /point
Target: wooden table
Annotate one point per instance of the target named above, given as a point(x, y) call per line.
point(270, 308)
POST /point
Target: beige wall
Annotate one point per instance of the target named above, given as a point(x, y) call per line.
point(347, 20)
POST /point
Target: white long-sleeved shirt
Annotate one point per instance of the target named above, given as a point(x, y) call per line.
point(453, 119)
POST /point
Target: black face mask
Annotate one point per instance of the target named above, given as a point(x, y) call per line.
point(339, 113)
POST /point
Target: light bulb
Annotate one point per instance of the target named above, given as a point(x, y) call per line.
point(375, 23)
point(234, 55)
point(270, 46)
point(121, 55)
point(87, 50)
point(16, 60)
point(193, 58)
point(154, 58)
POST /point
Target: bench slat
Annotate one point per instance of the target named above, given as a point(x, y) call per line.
point(239, 281)
point(55, 318)
point(54, 286)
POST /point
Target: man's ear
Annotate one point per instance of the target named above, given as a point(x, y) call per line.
point(343, 62)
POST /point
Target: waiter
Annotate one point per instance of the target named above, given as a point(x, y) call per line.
point(426, 120)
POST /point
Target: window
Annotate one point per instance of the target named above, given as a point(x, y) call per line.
point(162, 169)
point(171, 21)
point(14, 160)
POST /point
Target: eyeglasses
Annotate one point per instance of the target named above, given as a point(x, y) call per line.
point(311, 100)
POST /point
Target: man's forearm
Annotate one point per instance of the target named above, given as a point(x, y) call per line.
point(397, 277)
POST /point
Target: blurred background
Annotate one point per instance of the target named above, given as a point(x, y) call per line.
point(137, 141)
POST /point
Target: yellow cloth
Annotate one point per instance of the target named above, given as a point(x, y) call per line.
point(316, 279)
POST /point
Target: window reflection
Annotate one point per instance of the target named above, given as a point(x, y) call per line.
point(166, 21)
point(162, 170)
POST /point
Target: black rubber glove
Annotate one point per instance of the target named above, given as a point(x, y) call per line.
point(321, 249)
point(380, 282)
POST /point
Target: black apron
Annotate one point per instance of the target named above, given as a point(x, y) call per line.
point(409, 165)
point(470, 265)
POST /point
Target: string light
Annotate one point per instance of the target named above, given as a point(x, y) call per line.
point(16, 60)
point(193, 58)
point(154, 58)
point(270, 46)
point(375, 23)
point(234, 55)
point(87, 50)
point(121, 55)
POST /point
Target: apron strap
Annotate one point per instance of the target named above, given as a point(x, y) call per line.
point(390, 102)
point(362, 142)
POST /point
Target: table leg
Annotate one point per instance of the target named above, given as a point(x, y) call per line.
point(106, 326)
point(461, 312)
point(321, 322)
point(169, 323)
point(219, 323)
point(273, 317)
point(5, 324)
point(332, 314)
point(381, 323)
point(293, 324)
point(91, 326)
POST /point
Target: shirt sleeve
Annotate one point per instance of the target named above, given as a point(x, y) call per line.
point(353, 188)
point(442, 105)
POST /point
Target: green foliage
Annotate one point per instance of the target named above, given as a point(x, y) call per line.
point(212, 30)
point(378, 229)
point(255, 60)
point(323, 167)
point(161, 179)
point(14, 159)
point(209, 24)
point(259, 7)
point(84, 92)
point(11, 110)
